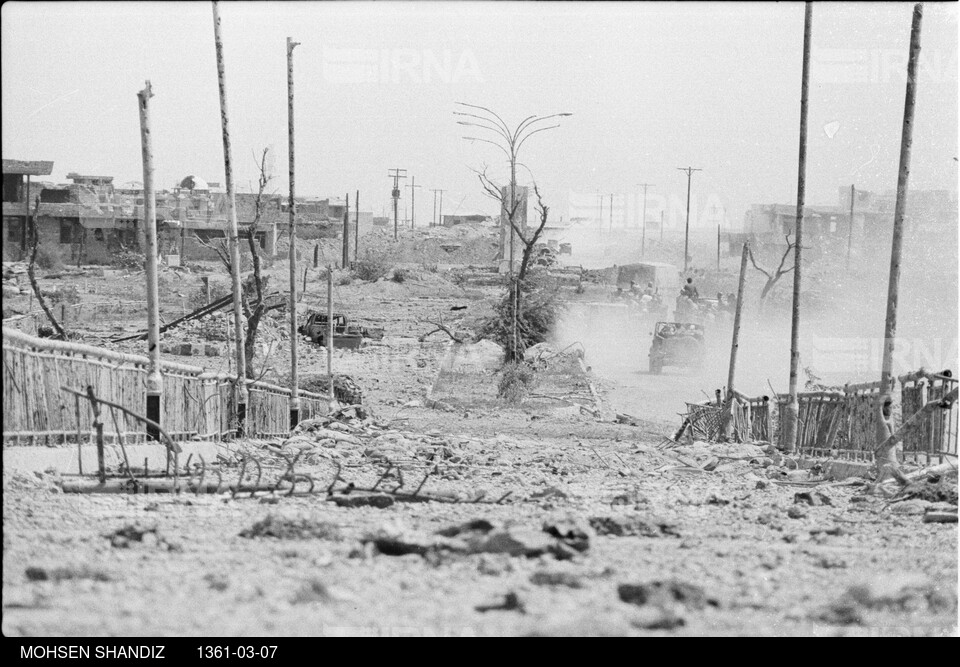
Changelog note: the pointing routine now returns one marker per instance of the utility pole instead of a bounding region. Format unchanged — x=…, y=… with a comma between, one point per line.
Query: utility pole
x=396, y=176
x=154, y=378
x=233, y=240
x=440, y=211
x=643, y=221
x=850, y=231
x=600, y=215
x=735, y=344
x=330, y=333
x=884, y=423
x=356, y=228
x=433, y=220
x=294, y=366
x=345, y=254
x=413, y=202
x=611, y=213
x=714, y=209
x=718, y=247
x=686, y=238
x=792, y=412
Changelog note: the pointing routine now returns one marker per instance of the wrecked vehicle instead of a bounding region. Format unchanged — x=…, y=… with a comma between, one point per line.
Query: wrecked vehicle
x=676, y=344
x=345, y=335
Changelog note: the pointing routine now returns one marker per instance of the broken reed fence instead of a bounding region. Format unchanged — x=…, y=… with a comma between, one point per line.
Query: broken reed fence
x=843, y=424
x=751, y=420
x=196, y=404
x=936, y=434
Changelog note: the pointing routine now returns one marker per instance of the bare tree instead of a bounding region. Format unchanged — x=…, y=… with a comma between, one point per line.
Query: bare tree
x=774, y=276
x=34, y=243
x=529, y=241
x=255, y=286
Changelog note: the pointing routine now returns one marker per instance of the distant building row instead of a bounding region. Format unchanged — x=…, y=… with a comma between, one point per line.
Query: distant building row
x=90, y=219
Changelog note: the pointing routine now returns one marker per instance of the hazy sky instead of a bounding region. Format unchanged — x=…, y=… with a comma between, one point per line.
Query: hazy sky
x=652, y=86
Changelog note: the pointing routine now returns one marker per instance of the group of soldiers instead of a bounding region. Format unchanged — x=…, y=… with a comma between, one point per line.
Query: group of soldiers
x=690, y=306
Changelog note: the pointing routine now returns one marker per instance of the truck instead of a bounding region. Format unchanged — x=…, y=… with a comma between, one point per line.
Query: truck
x=676, y=344
x=345, y=335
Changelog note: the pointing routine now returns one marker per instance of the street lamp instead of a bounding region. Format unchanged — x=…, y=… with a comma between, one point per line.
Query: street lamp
x=512, y=140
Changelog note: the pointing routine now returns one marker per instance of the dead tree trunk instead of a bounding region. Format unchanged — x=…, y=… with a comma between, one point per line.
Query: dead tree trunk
x=31, y=272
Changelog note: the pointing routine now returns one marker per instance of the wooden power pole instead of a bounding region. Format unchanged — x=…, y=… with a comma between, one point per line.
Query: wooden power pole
x=345, y=254
x=792, y=411
x=396, y=175
x=233, y=240
x=330, y=332
x=643, y=221
x=853, y=191
x=413, y=202
x=154, y=378
x=735, y=343
x=884, y=424
x=686, y=238
x=294, y=370
x=356, y=227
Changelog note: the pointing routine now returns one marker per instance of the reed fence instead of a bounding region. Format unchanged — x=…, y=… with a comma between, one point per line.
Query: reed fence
x=196, y=404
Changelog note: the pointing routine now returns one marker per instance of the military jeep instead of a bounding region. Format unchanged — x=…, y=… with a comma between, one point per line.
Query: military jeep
x=676, y=344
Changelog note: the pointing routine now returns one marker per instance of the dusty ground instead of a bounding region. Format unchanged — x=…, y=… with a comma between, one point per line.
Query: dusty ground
x=738, y=553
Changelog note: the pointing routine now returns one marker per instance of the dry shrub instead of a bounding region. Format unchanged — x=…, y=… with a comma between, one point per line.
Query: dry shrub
x=516, y=380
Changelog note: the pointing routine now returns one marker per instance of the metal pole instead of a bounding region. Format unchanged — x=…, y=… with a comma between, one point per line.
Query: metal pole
x=513, y=276
x=154, y=378
x=850, y=233
x=345, y=253
x=792, y=411
x=232, y=235
x=903, y=176
x=294, y=370
x=330, y=330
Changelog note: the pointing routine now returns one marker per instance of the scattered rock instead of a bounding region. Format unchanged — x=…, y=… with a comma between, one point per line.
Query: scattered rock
x=633, y=525
x=796, y=512
x=717, y=499
x=378, y=500
x=65, y=573
x=132, y=534
x=511, y=602
x=574, y=533
x=292, y=528
x=553, y=578
x=812, y=498
x=666, y=592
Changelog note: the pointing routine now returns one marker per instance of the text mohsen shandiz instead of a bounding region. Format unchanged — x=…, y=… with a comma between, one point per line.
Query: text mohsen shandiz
x=68, y=652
